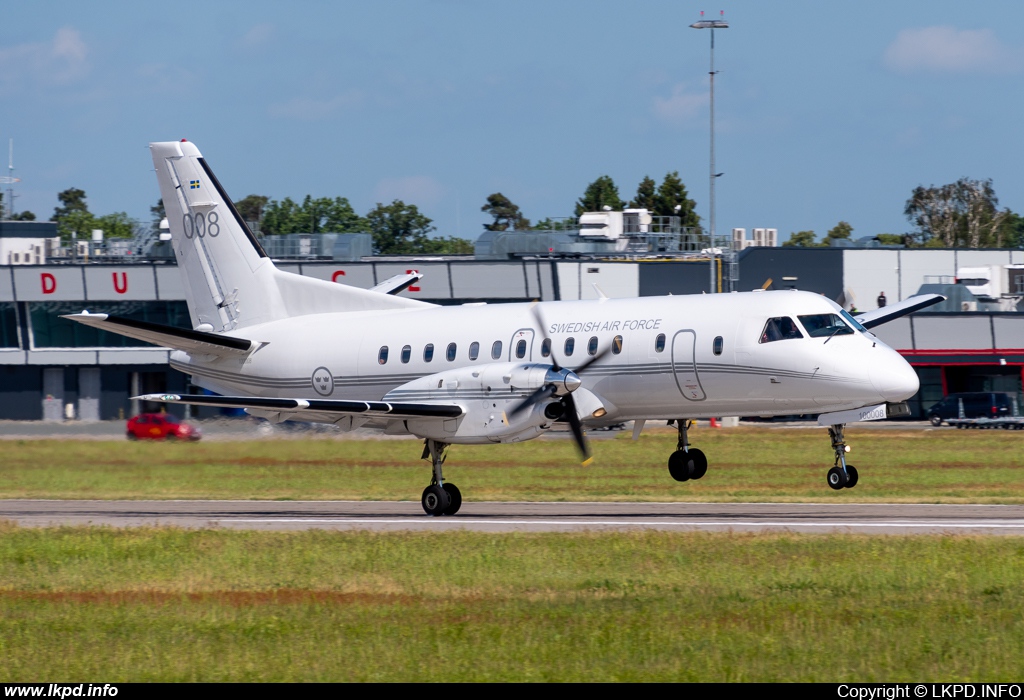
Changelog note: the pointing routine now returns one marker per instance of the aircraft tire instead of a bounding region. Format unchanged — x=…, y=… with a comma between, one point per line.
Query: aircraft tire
x=434, y=500
x=454, y=499
x=836, y=478
x=700, y=463
x=935, y=420
x=678, y=466
x=851, y=472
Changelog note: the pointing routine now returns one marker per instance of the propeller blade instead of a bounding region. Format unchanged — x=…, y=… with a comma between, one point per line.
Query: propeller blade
x=592, y=360
x=545, y=392
x=535, y=308
x=577, y=428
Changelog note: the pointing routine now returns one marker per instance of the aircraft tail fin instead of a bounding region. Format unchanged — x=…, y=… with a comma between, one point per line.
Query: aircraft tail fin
x=230, y=282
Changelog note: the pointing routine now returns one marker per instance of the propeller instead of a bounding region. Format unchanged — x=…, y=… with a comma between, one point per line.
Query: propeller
x=561, y=382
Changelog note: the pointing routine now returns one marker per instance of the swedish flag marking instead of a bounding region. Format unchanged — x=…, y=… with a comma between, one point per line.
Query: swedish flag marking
x=193, y=184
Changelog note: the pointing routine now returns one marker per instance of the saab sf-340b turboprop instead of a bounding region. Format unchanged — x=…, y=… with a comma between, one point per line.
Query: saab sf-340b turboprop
x=283, y=346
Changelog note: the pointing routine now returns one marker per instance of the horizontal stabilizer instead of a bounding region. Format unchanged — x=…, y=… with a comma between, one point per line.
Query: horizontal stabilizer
x=870, y=319
x=185, y=339
x=393, y=285
x=370, y=408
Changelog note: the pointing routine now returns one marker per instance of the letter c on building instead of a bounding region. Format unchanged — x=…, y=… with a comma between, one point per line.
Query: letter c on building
x=337, y=274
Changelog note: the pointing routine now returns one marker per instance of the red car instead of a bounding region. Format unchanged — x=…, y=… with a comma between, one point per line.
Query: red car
x=160, y=426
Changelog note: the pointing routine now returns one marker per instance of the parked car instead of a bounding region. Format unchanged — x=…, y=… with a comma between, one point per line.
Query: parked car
x=977, y=404
x=161, y=426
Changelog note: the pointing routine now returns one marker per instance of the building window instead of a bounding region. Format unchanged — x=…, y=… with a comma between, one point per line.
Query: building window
x=659, y=343
x=545, y=347
x=406, y=354
x=617, y=344
x=474, y=350
x=592, y=346
x=521, y=349
x=496, y=350
x=719, y=343
x=450, y=352
x=382, y=356
x=428, y=352
x=570, y=345
x=49, y=330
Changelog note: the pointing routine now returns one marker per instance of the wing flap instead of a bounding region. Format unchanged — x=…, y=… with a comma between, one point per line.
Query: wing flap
x=328, y=406
x=185, y=339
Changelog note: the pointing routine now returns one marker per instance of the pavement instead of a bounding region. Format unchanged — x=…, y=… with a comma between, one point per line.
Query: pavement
x=873, y=518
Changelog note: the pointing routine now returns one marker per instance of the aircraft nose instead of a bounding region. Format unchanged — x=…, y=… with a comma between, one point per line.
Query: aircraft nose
x=895, y=380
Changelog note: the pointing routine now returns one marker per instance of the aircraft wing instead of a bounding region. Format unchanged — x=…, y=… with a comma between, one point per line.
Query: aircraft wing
x=190, y=341
x=314, y=409
x=393, y=285
x=870, y=319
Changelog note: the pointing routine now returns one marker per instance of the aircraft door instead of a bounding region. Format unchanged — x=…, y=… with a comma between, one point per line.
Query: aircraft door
x=521, y=347
x=684, y=365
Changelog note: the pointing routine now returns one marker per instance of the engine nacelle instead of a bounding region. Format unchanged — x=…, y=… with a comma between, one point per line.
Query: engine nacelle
x=487, y=394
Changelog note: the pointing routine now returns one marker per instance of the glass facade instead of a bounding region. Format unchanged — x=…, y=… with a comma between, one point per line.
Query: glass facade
x=9, y=325
x=51, y=331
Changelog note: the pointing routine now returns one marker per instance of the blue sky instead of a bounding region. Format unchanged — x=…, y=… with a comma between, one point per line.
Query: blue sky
x=825, y=111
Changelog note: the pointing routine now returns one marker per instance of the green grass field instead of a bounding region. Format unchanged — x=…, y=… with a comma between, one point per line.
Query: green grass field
x=746, y=464
x=165, y=604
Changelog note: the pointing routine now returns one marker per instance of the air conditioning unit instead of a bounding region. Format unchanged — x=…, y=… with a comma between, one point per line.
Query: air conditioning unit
x=968, y=306
x=771, y=237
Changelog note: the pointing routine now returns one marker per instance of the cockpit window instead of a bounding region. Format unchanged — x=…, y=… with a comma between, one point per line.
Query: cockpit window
x=782, y=328
x=853, y=322
x=825, y=325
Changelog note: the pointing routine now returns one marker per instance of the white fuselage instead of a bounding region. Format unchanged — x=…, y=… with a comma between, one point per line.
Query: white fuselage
x=669, y=366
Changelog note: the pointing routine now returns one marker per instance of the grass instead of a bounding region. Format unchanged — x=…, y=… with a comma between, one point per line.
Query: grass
x=746, y=464
x=174, y=605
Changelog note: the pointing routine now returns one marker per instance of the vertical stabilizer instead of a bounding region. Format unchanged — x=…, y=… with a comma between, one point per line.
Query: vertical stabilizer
x=230, y=282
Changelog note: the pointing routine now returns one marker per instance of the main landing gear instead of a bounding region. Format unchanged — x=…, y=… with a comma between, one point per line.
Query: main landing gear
x=686, y=462
x=842, y=475
x=439, y=498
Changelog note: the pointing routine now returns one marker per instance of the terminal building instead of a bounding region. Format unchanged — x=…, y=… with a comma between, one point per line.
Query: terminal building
x=55, y=369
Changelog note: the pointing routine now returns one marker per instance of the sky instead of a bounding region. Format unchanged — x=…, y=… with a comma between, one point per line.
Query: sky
x=824, y=111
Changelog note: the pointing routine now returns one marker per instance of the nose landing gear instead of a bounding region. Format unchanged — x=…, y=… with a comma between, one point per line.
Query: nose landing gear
x=686, y=462
x=842, y=475
x=439, y=498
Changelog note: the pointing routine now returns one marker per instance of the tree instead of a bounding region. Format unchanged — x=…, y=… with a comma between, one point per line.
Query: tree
x=116, y=225
x=673, y=200
x=73, y=215
x=399, y=228
x=645, y=195
x=24, y=216
x=506, y=214
x=842, y=230
x=962, y=213
x=600, y=193
x=320, y=215
x=157, y=214
x=251, y=208
x=802, y=239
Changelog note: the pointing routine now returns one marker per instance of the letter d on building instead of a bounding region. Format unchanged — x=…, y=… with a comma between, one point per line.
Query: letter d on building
x=49, y=283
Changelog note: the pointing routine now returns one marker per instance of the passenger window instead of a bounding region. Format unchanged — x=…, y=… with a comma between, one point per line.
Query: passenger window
x=406, y=354
x=659, y=343
x=570, y=345
x=782, y=328
x=496, y=350
x=382, y=356
x=592, y=346
x=521, y=349
x=428, y=352
x=545, y=347
x=617, y=344
x=718, y=344
x=450, y=352
x=825, y=325
x=474, y=350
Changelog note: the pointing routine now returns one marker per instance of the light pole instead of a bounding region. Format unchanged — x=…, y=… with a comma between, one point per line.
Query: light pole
x=712, y=24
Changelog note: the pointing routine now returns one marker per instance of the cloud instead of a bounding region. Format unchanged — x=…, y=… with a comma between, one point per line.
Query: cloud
x=420, y=190
x=310, y=109
x=681, y=106
x=61, y=60
x=257, y=36
x=951, y=50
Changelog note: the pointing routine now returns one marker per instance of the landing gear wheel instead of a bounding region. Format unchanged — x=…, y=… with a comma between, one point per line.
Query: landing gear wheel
x=935, y=420
x=699, y=463
x=851, y=473
x=836, y=478
x=454, y=499
x=434, y=500
x=679, y=466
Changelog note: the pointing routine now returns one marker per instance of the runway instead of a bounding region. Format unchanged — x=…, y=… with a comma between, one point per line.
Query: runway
x=874, y=518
